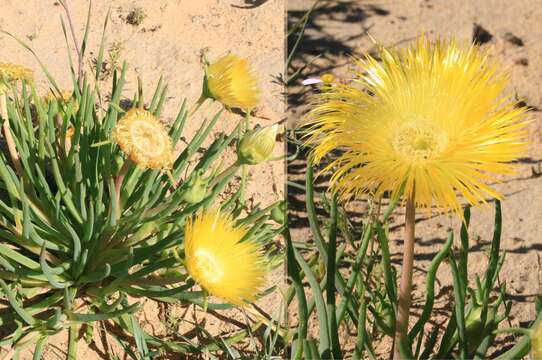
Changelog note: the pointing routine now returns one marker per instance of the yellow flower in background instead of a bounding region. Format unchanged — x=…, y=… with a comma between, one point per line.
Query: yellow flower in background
x=432, y=117
x=144, y=139
x=217, y=259
x=64, y=97
x=327, y=78
x=13, y=72
x=231, y=81
x=9, y=73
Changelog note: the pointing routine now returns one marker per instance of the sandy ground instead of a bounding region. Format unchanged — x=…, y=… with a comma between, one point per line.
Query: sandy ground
x=338, y=29
x=169, y=42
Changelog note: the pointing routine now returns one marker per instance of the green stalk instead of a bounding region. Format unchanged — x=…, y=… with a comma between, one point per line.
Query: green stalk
x=225, y=174
x=430, y=287
x=244, y=169
x=321, y=310
x=197, y=105
x=311, y=211
x=459, y=309
x=330, y=286
x=72, y=341
x=118, y=185
x=362, y=333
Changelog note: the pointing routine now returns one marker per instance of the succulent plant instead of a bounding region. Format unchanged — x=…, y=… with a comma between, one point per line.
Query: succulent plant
x=93, y=209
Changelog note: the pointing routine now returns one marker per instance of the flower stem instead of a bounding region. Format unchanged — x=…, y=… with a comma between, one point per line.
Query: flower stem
x=405, y=288
x=72, y=342
x=245, y=125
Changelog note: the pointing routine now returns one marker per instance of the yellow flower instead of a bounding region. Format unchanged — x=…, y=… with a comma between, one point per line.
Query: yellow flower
x=218, y=260
x=432, y=117
x=327, y=78
x=231, y=81
x=12, y=72
x=9, y=73
x=144, y=139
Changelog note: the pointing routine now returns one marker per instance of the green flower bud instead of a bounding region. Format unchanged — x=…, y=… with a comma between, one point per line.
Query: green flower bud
x=536, y=342
x=384, y=318
x=196, y=189
x=474, y=326
x=278, y=213
x=257, y=145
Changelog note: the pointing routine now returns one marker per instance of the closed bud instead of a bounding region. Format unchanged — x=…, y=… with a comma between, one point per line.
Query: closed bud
x=475, y=326
x=384, y=318
x=257, y=145
x=196, y=189
x=279, y=213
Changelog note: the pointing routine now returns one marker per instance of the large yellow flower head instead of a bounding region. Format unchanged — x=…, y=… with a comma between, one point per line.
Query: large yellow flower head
x=432, y=117
x=231, y=81
x=144, y=139
x=220, y=262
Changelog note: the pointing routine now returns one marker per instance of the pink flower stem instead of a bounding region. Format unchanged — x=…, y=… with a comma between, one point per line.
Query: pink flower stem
x=405, y=288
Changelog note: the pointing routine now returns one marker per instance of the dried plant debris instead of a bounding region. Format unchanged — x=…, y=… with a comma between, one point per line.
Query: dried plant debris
x=513, y=39
x=522, y=61
x=480, y=35
x=136, y=16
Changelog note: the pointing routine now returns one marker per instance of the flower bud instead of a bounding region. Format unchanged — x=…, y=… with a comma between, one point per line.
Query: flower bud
x=278, y=213
x=384, y=318
x=475, y=326
x=257, y=145
x=196, y=189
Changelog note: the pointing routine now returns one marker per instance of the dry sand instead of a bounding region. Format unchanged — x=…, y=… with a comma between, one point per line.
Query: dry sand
x=338, y=29
x=169, y=42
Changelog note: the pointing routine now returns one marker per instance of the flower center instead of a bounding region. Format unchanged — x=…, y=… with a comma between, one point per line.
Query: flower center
x=208, y=266
x=419, y=141
x=147, y=139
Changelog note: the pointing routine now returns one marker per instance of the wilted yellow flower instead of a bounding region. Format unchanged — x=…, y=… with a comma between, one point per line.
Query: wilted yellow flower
x=69, y=137
x=144, y=139
x=9, y=73
x=231, y=81
x=218, y=260
x=12, y=72
x=257, y=145
x=432, y=117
